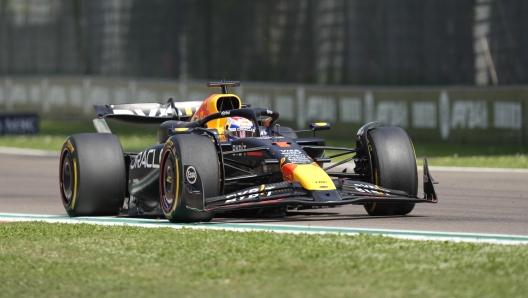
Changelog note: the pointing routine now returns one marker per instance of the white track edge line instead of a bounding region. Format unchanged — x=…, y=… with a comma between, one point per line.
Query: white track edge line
x=406, y=234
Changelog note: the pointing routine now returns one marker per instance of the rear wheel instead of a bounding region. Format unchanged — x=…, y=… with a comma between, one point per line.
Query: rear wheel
x=183, y=157
x=394, y=167
x=92, y=175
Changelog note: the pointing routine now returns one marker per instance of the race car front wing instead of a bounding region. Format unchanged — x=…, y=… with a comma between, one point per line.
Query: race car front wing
x=292, y=193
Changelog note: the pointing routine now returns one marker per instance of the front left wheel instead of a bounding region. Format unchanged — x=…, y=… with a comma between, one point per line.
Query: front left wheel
x=189, y=169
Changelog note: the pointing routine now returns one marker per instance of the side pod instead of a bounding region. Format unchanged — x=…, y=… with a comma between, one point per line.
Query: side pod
x=428, y=183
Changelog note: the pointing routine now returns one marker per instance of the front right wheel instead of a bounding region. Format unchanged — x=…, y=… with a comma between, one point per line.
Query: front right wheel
x=393, y=166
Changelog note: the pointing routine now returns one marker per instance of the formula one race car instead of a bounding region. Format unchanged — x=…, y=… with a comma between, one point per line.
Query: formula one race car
x=221, y=155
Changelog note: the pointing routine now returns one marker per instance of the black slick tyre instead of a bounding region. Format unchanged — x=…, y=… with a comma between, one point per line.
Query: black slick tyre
x=394, y=167
x=179, y=154
x=92, y=175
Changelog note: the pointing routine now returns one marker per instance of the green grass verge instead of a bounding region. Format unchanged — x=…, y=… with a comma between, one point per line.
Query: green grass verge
x=444, y=154
x=135, y=138
x=80, y=260
x=130, y=143
x=498, y=156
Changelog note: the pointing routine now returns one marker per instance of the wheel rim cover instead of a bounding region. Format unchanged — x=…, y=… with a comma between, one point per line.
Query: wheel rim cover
x=168, y=183
x=67, y=178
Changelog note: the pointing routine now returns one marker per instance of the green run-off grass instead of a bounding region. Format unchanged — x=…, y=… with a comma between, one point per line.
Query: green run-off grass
x=81, y=260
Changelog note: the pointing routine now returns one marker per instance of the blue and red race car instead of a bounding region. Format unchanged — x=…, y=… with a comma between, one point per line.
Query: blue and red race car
x=221, y=155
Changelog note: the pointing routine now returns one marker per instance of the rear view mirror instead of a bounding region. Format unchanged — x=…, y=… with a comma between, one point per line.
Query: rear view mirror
x=320, y=126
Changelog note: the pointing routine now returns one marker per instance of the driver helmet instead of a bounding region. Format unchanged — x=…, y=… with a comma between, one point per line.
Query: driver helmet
x=239, y=127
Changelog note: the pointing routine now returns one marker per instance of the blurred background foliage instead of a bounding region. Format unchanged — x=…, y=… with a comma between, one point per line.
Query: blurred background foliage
x=353, y=42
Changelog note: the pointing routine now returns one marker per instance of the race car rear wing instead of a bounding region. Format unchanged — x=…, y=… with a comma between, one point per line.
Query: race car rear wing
x=148, y=113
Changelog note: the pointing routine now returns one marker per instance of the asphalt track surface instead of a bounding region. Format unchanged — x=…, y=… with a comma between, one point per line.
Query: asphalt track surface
x=472, y=201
